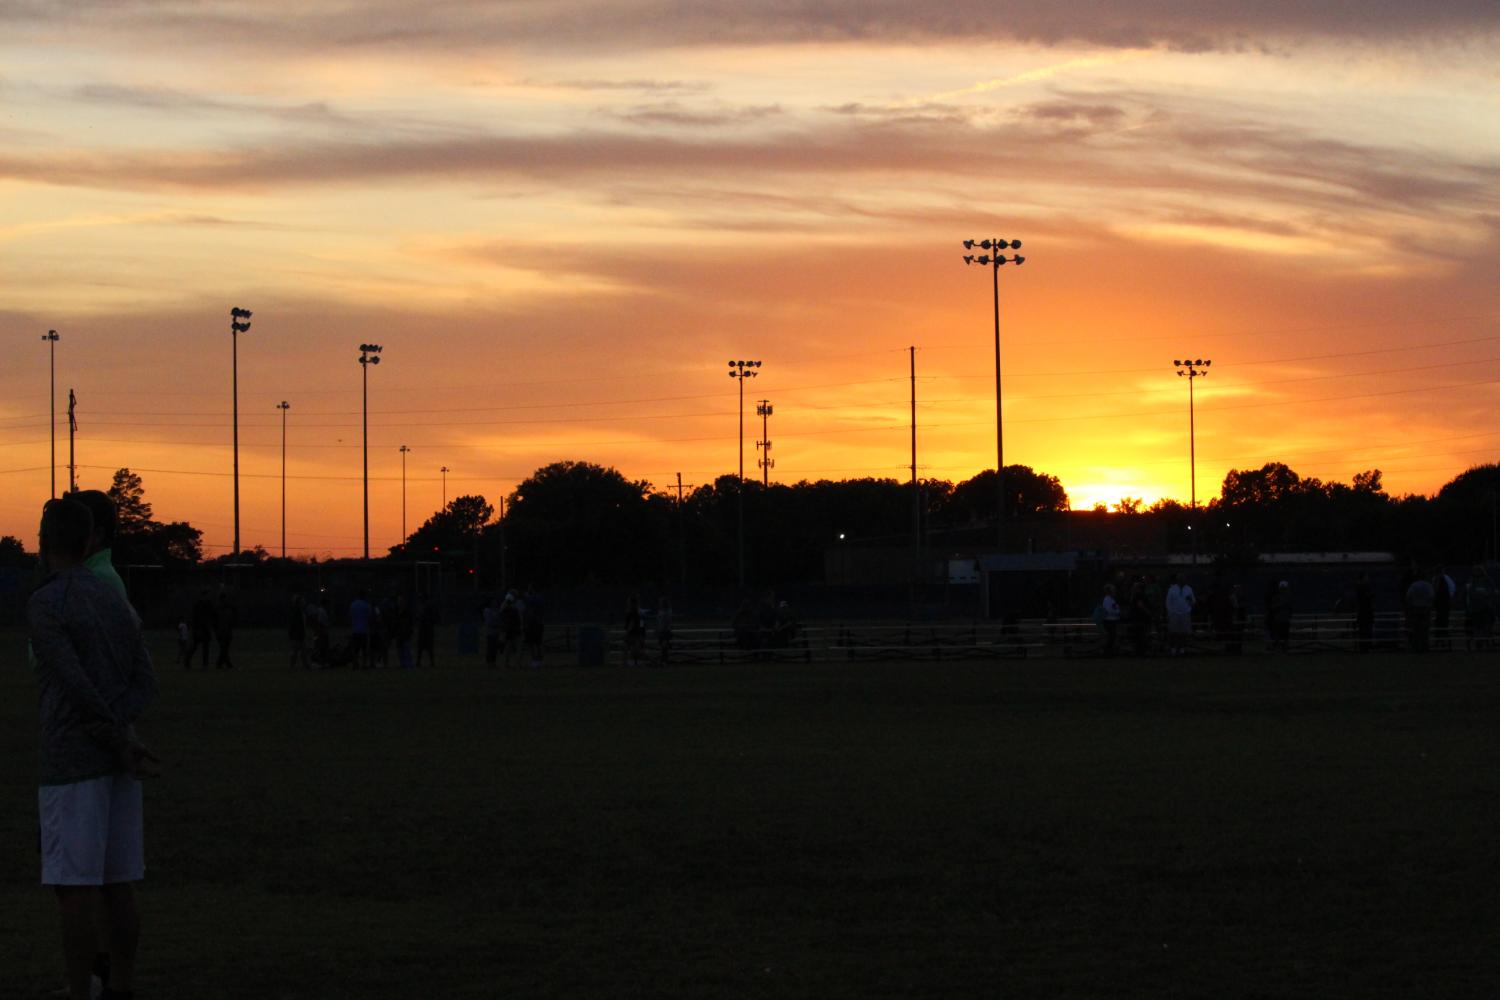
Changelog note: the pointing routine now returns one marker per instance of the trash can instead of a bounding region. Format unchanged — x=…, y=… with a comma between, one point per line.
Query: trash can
x=591, y=645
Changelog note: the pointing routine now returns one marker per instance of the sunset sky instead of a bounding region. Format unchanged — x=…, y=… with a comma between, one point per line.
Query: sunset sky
x=562, y=218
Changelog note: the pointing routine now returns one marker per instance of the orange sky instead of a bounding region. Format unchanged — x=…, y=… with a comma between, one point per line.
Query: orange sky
x=560, y=220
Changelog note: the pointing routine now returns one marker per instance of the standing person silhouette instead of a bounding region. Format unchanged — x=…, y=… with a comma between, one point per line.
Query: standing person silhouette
x=95, y=679
x=224, y=627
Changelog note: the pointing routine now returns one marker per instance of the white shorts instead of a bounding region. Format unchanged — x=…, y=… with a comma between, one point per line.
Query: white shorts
x=92, y=832
x=1180, y=622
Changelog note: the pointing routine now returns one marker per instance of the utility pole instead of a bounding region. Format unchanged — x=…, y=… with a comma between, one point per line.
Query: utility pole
x=72, y=429
x=995, y=261
x=369, y=354
x=403, y=449
x=916, y=490
x=764, y=411
x=51, y=337
x=239, y=322
x=681, y=535
x=739, y=371
x=283, y=406
x=504, y=587
x=444, y=471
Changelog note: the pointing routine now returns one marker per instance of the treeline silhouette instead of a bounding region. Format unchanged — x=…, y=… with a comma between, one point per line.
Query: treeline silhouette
x=578, y=523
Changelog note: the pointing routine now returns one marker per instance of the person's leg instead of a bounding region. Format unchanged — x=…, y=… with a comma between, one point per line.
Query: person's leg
x=124, y=927
x=76, y=906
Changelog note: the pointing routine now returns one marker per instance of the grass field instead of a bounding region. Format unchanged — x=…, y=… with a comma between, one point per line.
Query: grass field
x=1270, y=827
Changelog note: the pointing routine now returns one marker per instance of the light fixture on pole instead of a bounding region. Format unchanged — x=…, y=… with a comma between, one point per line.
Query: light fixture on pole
x=1191, y=370
x=994, y=258
x=739, y=371
x=51, y=337
x=283, y=406
x=239, y=322
x=369, y=354
x=403, y=449
x=444, y=471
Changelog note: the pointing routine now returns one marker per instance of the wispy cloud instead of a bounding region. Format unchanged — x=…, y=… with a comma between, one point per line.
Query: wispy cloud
x=624, y=24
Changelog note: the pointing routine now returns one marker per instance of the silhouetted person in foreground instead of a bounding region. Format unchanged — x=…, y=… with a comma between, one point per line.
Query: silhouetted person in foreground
x=224, y=629
x=401, y=631
x=1279, y=617
x=427, y=632
x=635, y=633
x=95, y=679
x=361, y=616
x=1420, y=597
x=205, y=623
x=1180, y=600
x=1109, y=618
x=1444, y=590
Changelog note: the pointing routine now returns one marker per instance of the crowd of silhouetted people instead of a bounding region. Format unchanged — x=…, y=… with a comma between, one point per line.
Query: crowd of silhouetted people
x=1154, y=616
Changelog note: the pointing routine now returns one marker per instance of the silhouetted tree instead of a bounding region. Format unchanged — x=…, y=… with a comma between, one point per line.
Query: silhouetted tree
x=13, y=554
x=576, y=522
x=450, y=531
x=1027, y=493
x=139, y=537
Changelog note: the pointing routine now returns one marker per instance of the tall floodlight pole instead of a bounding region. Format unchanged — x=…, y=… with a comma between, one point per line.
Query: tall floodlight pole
x=283, y=406
x=369, y=354
x=764, y=410
x=1192, y=370
x=51, y=337
x=994, y=260
x=239, y=322
x=444, y=471
x=403, y=449
x=739, y=371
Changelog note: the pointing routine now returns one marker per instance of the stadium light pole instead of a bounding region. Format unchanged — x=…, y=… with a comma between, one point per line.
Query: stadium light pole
x=739, y=371
x=51, y=337
x=403, y=449
x=283, y=406
x=239, y=322
x=1191, y=370
x=444, y=471
x=369, y=354
x=994, y=259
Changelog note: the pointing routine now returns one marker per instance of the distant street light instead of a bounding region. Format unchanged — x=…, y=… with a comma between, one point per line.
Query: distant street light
x=739, y=371
x=239, y=322
x=403, y=449
x=283, y=406
x=994, y=260
x=1191, y=370
x=369, y=354
x=51, y=337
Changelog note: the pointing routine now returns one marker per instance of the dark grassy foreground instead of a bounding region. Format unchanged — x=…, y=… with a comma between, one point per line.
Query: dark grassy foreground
x=1304, y=827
